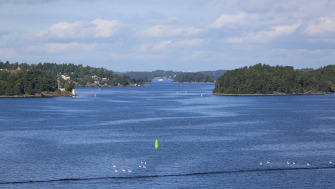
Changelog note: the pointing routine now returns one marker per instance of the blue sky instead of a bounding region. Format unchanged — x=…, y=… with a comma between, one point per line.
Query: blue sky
x=178, y=35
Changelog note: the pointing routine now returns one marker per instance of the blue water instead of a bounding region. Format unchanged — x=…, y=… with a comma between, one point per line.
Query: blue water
x=205, y=142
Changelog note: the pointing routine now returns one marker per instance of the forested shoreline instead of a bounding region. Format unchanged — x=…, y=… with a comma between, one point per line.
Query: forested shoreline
x=26, y=83
x=41, y=79
x=262, y=79
x=193, y=78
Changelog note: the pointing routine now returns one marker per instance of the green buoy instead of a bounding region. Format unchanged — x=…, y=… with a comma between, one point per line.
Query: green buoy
x=156, y=144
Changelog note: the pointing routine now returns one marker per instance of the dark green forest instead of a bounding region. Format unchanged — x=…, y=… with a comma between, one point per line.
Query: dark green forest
x=193, y=78
x=265, y=79
x=169, y=74
x=26, y=82
x=79, y=74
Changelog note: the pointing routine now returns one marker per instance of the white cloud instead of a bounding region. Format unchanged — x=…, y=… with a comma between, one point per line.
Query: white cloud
x=265, y=35
x=190, y=43
x=97, y=28
x=229, y=20
x=170, y=45
x=321, y=26
x=161, y=31
x=54, y=48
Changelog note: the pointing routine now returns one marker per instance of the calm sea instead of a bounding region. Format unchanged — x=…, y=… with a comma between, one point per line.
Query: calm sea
x=205, y=141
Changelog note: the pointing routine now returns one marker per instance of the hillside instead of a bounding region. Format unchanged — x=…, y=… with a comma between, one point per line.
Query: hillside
x=78, y=74
x=264, y=79
x=192, y=78
x=168, y=74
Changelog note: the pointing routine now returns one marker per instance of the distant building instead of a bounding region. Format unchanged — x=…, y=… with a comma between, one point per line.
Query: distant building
x=96, y=78
x=65, y=77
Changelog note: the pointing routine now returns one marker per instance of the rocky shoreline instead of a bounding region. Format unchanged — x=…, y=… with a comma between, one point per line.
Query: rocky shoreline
x=274, y=94
x=42, y=95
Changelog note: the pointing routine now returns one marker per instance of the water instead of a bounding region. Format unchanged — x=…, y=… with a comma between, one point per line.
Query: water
x=204, y=142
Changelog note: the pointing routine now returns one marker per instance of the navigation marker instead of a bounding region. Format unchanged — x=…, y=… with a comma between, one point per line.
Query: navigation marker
x=156, y=144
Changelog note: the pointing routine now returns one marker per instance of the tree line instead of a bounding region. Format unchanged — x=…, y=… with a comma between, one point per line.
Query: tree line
x=193, y=78
x=80, y=75
x=25, y=82
x=265, y=79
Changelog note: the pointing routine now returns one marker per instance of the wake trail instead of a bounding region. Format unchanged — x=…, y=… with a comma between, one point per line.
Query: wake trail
x=166, y=175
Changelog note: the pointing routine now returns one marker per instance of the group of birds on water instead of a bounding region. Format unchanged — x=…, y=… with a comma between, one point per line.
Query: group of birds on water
x=142, y=165
x=288, y=163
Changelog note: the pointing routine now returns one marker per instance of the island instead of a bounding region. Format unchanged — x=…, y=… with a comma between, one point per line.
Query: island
x=262, y=79
x=193, y=78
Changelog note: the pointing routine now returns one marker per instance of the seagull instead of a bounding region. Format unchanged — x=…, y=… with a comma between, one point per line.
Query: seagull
x=141, y=162
x=115, y=171
x=139, y=166
x=144, y=166
x=330, y=162
x=260, y=163
x=145, y=162
x=129, y=171
x=307, y=164
x=114, y=165
x=123, y=170
x=293, y=163
x=288, y=163
x=267, y=162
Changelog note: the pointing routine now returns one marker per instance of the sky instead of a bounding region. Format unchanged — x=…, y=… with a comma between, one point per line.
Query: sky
x=177, y=35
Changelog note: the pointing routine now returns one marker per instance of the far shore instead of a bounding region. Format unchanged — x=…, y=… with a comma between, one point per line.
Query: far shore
x=276, y=94
x=41, y=95
x=193, y=82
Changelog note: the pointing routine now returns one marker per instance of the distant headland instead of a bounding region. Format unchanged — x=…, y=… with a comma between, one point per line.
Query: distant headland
x=262, y=79
x=52, y=80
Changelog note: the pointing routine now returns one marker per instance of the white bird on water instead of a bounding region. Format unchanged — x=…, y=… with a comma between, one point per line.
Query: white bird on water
x=288, y=163
x=293, y=163
x=115, y=171
x=144, y=166
x=139, y=166
x=307, y=164
x=123, y=170
x=267, y=162
x=260, y=163
x=129, y=171
x=330, y=162
x=114, y=166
